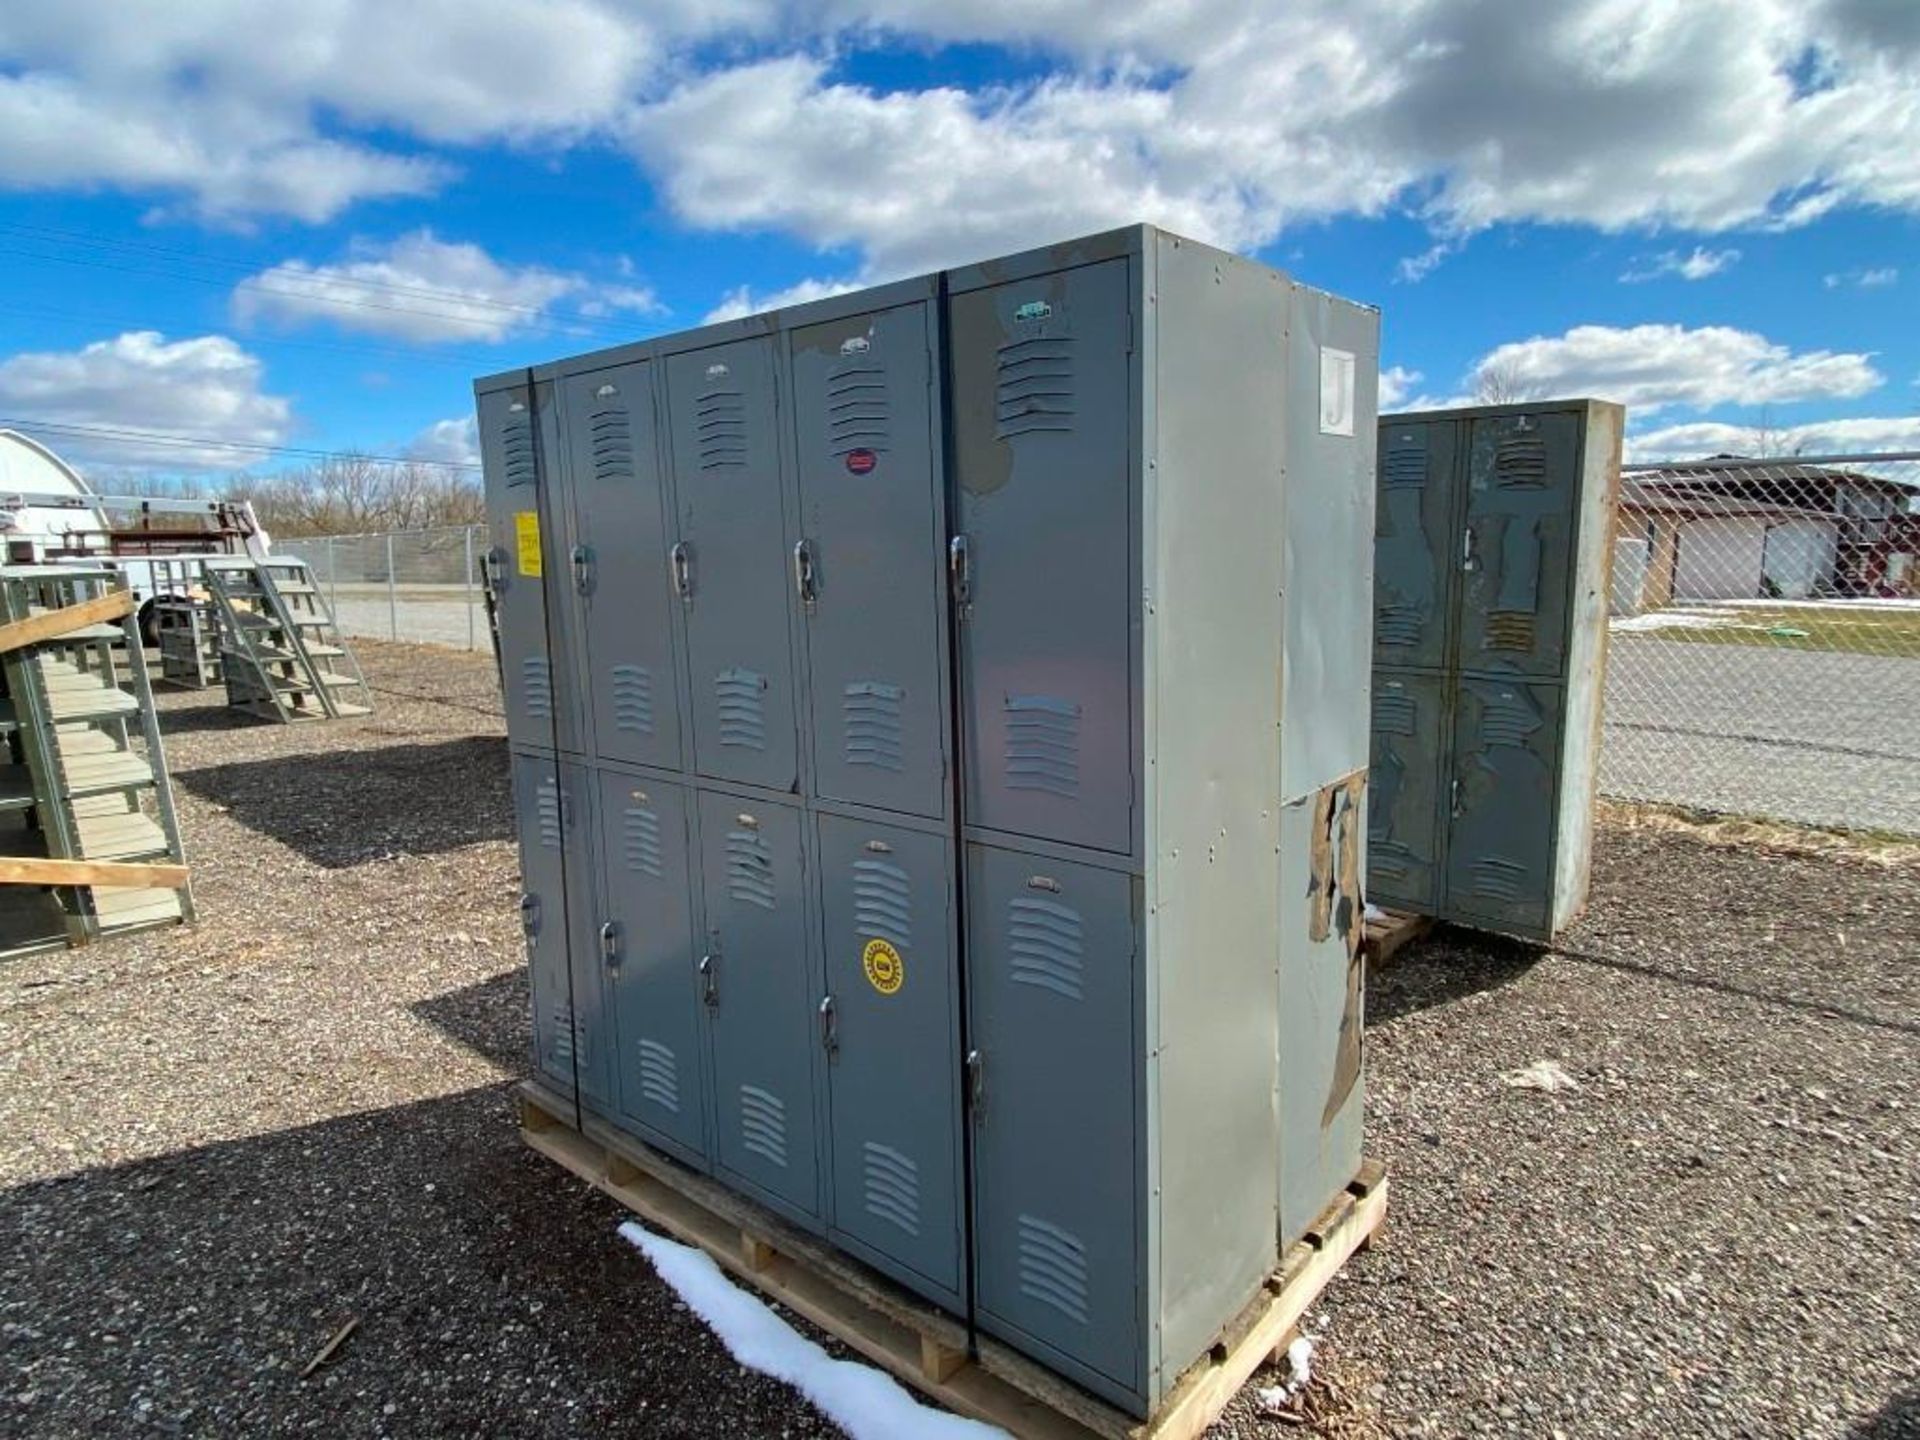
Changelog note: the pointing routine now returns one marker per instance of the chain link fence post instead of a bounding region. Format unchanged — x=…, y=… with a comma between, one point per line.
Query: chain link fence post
x=469, y=588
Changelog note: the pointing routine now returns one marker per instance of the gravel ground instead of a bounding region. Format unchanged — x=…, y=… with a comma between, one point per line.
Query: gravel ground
x=223, y=1143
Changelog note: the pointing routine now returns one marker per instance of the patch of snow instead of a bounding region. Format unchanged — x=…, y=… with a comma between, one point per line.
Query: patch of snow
x=1672, y=620
x=1868, y=602
x=1375, y=913
x=863, y=1401
x=1300, y=1362
x=1548, y=1075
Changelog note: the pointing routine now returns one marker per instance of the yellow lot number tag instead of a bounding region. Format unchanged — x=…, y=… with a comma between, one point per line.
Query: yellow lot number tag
x=885, y=971
x=526, y=539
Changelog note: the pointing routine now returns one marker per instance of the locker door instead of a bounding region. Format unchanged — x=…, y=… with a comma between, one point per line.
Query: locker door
x=762, y=999
x=525, y=526
x=1500, y=840
x=1406, y=792
x=647, y=941
x=735, y=572
x=1414, y=550
x=1056, y=1178
x=1516, y=555
x=1041, y=443
x=871, y=520
x=893, y=1071
x=552, y=805
x=619, y=570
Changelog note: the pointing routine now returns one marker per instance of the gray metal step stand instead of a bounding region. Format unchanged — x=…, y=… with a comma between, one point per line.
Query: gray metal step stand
x=282, y=655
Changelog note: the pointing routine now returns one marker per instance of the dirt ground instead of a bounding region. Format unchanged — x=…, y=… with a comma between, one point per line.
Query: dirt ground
x=223, y=1143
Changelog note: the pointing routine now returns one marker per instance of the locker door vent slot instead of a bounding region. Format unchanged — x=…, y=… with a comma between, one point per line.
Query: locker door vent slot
x=1406, y=468
x=1387, y=859
x=612, y=435
x=632, y=687
x=1053, y=1267
x=858, y=414
x=1043, y=744
x=882, y=901
x=871, y=712
x=750, y=868
x=1510, y=630
x=1509, y=721
x=1520, y=462
x=516, y=449
x=1498, y=879
x=536, y=687
x=890, y=1184
x=640, y=841
x=1045, y=942
x=546, y=809
x=1394, y=714
x=659, y=1076
x=720, y=427
x=742, y=708
x=1035, y=390
x=563, y=1033
x=763, y=1124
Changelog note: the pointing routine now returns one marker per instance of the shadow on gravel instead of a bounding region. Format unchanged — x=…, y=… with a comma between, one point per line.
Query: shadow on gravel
x=183, y=1295
x=1899, y=1421
x=346, y=807
x=213, y=714
x=490, y=1018
x=1448, y=965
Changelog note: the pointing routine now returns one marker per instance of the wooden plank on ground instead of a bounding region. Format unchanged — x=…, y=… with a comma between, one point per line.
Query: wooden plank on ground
x=37, y=870
x=17, y=634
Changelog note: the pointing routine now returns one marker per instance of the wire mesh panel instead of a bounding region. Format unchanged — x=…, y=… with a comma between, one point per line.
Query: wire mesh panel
x=1764, y=650
x=418, y=586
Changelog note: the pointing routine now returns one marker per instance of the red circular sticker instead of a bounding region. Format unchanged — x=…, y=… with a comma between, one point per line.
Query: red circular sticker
x=861, y=462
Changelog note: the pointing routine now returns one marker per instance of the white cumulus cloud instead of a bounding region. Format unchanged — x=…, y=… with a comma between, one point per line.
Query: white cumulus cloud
x=1397, y=384
x=1700, y=264
x=1849, y=436
x=194, y=393
x=447, y=442
x=742, y=301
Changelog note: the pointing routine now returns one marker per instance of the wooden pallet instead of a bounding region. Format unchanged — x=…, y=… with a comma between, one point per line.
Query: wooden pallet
x=921, y=1345
x=1395, y=931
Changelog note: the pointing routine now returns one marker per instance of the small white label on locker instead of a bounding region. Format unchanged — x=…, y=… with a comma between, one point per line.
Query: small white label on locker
x=1336, y=391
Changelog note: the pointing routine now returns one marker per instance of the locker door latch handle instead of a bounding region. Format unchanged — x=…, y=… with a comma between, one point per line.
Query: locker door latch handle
x=610, y=944
x=493, y=569
x=1468, y=561
x=530, y=915
x=1453, y=798
x=582, y=569
x=803, y=574
x=960, y=571
x=682, y=561
x=976, y=1084
x=829, y=1026
x=709, y=988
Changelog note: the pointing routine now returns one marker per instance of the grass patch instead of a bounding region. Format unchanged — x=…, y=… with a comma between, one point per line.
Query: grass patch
x=1844, y=626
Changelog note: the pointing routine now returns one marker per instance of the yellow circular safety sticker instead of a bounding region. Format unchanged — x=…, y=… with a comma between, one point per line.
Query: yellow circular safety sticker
x=885, y=971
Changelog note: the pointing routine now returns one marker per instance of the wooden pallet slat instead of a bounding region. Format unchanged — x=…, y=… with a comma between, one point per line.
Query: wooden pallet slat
x=922, y=1346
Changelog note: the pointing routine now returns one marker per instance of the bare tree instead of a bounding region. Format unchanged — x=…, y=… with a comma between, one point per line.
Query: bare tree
x=1500, y=384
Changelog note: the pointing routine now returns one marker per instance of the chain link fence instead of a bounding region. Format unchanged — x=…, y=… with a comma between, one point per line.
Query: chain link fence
x=421, y=586
x=1764, y=655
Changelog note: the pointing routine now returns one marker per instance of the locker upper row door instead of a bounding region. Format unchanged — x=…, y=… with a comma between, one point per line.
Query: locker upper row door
x=1517, y=544
x=619, y=566
x=525, y=526
x=1414, y=551
x=1042, y=427
x=730, y=565
x=867, y=571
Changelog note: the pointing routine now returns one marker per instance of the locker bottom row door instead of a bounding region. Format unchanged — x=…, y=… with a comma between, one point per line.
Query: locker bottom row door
x=570, y=1026
x=647, y=943
x=1050, y=990
x=1506, y=741
x=762, y=1000
x=1405, y=790
x=894, y=1061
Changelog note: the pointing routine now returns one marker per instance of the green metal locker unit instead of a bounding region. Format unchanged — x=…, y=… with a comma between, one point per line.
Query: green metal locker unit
x=1126, y=482
x=1494, y=536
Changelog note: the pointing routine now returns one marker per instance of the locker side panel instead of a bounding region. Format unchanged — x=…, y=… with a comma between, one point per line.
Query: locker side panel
x=618, y=571
x=763, y=1032
x=1499, y=846
x=649, y=948
x=894, y=1073
x=1415, y=549
x=1409, y=795
x=1041, y=443
x=526, y=531
x=872, y=520
x=736, y=572
x=1517, y=546
x=1056, y=1172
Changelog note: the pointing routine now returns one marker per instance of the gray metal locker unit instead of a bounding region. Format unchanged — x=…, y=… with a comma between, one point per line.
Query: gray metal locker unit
x=1129, y=413
x=1495, y=531
x=527, y=550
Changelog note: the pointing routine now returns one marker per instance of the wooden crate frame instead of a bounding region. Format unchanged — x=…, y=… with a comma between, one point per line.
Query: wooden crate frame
x=912, y=1340
x=1393, y=932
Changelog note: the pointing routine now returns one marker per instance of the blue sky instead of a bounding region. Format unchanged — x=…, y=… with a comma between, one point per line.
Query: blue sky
x=231, y=232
